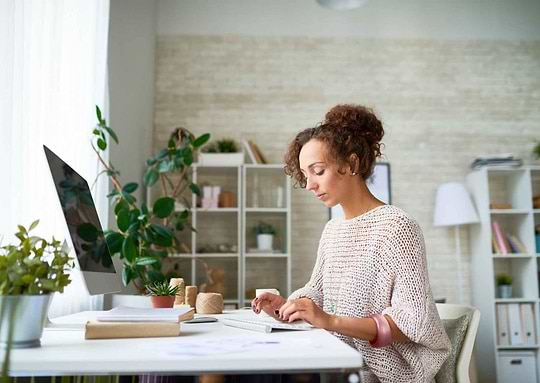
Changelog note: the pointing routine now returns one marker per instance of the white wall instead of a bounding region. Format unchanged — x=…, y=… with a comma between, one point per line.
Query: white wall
x=410, y=19
x=132, y=39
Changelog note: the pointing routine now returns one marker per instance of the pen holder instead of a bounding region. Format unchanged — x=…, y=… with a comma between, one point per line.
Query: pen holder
x=180, y=294
x=209, y=303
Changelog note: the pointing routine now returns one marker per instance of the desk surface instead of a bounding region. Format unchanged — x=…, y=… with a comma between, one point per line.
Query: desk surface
x=66, y=352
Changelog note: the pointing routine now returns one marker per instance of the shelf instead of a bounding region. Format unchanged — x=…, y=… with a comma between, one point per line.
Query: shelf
x=509, y=211
x=216, y=255
x=536, y=211
x=516, y=300
x=523, y=347
x=266, y=255
x=264, y=166
x=512, y=256
x=266, y=210
x=217, y=210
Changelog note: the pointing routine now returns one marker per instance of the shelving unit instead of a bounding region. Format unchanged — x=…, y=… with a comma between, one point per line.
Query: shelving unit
x=262, y=193
x=515, y=186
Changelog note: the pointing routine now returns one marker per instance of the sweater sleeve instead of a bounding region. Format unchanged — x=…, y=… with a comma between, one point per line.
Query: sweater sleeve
x=314, y=288
x=412, y=306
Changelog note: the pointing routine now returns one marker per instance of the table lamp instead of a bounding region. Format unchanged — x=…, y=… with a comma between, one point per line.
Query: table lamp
x=454, y=207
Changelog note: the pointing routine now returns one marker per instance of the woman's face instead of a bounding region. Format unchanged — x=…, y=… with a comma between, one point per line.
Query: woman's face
x=321, y=175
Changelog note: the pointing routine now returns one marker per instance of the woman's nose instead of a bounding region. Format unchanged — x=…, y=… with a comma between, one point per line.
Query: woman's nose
x=310, y=185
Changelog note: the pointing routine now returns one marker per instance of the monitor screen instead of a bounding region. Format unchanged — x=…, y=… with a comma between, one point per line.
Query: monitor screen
x=87, y=237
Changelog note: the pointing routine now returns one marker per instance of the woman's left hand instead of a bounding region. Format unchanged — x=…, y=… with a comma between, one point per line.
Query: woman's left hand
x=305, y=309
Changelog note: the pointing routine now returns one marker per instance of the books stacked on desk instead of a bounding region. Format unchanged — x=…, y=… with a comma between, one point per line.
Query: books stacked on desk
x=502, y=160
x=133, y=322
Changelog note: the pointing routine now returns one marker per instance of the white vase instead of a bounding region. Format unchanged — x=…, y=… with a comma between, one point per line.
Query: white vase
x=264, y=241
x=27, y=313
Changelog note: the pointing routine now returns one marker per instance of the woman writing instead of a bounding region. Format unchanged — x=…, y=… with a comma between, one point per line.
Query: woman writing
x=370, y=283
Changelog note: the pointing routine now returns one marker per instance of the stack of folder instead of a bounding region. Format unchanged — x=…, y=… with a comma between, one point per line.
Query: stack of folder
x=516, y=325
x=132, y=322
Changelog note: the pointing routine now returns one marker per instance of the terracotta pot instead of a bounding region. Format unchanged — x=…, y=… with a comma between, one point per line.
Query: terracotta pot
x=162, y=302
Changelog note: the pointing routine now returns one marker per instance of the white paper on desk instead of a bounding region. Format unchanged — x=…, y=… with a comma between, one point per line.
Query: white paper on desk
x=137, y=314
x=233, y=345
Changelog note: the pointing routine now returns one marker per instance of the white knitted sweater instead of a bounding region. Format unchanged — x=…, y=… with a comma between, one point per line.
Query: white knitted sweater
x=376, y=264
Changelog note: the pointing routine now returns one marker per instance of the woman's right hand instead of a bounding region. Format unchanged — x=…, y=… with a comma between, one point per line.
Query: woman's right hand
x=268, y=303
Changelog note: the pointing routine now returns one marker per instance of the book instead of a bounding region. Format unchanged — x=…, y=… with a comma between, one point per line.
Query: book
x=108, y=330
x=249, y=151
x=516, y=243
x=136, y=314
x=496, y=248
x=258, y=153
x=500, y=238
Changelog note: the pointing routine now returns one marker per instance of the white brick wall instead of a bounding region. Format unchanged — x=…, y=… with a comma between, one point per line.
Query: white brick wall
x=442, y=103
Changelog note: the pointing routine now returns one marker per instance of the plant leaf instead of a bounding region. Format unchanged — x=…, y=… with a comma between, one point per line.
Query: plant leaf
x=130, y=187
x=111, y=133
x=150, y=177
x=101, y=144
x=33, y=225
x=122, y=220
x=201, y=140
x=195, y=189
x=114, y=241
x=88, y=232
x=129, y=250
x=98, y=114
x=163, y=207
x=143, y=261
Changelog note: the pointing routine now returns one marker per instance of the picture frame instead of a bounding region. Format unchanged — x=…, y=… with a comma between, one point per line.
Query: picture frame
x=379, y=184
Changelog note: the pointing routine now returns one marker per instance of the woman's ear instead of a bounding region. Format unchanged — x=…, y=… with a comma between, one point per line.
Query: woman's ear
x=354, y=164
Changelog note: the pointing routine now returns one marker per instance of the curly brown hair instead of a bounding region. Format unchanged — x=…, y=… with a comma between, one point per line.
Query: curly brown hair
x=346, y=130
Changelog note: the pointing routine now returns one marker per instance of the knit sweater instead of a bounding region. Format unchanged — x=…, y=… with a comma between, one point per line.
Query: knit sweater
x=375, y=263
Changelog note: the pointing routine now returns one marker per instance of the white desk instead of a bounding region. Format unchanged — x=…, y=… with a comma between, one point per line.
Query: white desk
x=66, y=352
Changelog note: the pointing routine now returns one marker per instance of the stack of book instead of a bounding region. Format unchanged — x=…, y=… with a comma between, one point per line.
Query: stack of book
x=496, y=160
x=132, y=322
x=504, y=243
x=516, y=324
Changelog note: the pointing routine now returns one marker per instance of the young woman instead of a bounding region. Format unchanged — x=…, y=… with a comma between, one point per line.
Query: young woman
x=370, y=283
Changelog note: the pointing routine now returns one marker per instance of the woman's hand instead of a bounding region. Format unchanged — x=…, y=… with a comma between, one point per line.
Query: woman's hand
x=305, y=309
x=268, y=303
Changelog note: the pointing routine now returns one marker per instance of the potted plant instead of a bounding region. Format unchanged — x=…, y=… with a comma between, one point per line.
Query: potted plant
x=536, y=151
x=162, y=294
x=147, y=234
x=224, y=152
x=504, y=285
x=30, y=272
x=265, y=235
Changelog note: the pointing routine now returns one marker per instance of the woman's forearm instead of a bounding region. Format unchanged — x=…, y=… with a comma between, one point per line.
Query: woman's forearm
x=362, y=328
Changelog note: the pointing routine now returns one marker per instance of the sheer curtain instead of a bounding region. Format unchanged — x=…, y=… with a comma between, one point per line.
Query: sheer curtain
x=52, y=73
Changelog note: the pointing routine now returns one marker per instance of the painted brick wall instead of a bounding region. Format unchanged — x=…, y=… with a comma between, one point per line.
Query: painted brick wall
x=441, y=102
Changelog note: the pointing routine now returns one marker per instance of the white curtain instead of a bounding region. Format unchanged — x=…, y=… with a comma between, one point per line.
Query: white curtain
x=52, y=74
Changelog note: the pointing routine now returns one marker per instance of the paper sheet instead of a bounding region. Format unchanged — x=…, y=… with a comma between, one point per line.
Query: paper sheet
x=233, y=345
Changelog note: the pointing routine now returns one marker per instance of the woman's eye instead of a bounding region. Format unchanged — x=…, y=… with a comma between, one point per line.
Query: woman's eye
x=320, y=173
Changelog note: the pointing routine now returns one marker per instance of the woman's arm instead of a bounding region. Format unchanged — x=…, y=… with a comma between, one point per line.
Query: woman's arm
x=362, y=328
x=359, y=328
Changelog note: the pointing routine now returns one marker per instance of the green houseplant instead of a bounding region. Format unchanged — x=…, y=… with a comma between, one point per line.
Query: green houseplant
x=30, y=272
x=265, y=235
x=504, y=285
x=536, y=151
x=162, y=294
x=147, y=234
x=224, y=152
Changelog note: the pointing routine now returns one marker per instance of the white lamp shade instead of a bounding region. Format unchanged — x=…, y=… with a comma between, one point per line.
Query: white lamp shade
x=342, y=4
x=453, y=206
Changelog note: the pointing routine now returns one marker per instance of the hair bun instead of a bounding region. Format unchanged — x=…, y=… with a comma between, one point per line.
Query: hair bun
x=356, y=119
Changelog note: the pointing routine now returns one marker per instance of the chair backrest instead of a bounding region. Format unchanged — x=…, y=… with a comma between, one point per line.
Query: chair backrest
x=450, y=311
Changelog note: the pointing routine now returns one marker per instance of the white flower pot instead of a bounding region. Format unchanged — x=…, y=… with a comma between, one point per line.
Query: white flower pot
x=221, y=159
x=264, y=241
x=27, y=313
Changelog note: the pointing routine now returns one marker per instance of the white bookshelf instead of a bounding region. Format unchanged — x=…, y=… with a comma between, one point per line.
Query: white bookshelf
x=244, y=271
x=515, y=186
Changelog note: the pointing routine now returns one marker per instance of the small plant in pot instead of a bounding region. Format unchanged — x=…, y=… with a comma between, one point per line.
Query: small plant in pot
x=30, y=273
x=162, y=294
x=265, y=235
x=504, y=285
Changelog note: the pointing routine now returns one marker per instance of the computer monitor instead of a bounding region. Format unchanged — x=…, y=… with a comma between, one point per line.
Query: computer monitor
x=85, y=230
